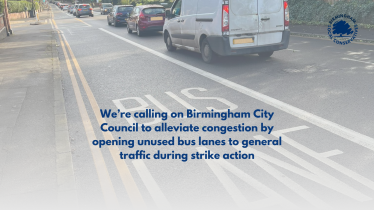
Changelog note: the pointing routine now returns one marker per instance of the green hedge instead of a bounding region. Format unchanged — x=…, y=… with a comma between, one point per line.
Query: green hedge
x=19, y=6
x=1, y=6
x=317, y=11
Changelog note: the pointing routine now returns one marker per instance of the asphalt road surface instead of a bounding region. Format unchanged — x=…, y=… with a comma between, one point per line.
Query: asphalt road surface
x=321, y=94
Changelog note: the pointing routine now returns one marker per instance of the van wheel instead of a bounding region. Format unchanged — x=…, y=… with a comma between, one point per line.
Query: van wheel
x=266, y=54
x=128, y=29
x=108, y=21
x=207, y=52
x=169, y=43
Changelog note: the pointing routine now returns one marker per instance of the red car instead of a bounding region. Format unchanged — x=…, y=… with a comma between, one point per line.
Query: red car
x=146, y=18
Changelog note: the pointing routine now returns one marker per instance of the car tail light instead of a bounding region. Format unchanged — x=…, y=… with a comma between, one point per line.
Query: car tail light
x=90, y=8
x=79, y=9
x=119, y=14
x=225, y=18
x=286, y=14
x=141, y=16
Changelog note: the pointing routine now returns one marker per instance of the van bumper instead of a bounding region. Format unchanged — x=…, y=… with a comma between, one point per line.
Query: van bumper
x=221, y=46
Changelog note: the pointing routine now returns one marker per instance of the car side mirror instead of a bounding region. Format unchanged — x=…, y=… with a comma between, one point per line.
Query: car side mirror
x=167, y=13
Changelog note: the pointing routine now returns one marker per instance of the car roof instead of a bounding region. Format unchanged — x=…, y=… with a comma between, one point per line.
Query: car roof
x=124, y=6
x=151, y=5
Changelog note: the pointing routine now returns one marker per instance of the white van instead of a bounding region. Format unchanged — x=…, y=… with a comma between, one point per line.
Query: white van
x=227, y=27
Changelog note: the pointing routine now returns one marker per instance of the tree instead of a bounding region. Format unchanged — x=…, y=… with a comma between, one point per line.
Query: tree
x=341, y=27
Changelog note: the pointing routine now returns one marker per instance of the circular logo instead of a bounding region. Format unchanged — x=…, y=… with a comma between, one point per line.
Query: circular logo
x=342, y=29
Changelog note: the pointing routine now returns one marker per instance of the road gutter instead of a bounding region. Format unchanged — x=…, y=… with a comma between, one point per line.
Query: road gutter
x=67, y=195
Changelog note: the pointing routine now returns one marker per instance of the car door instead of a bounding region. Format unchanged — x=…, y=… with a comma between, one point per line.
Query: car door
x=188, y=22
x=174, y=26
x=113, y=13
x=131, y=19
x=271, y=21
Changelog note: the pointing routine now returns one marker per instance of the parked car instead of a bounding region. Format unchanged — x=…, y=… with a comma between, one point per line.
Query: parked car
x=65, y=7
x=62, y=6
x=146, y=18
x=105, y=8
x=84, y=9
x=216, y=27
x=70, y=10
x=119, y=14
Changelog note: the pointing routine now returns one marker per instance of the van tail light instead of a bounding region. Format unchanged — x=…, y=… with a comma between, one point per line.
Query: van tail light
x=286, y=14
x=225, y=19
x=119, y=14
x=141, y=16
x=79, y=9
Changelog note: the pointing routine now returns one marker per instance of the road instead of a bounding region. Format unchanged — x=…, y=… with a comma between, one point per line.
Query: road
x=320, y=92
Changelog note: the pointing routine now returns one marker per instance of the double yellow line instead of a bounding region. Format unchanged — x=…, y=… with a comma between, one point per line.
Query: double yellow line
x=101, y=168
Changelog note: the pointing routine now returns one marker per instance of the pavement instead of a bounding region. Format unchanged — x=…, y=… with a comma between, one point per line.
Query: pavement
x=321, y=31
x=320, y=94
x=33, y=131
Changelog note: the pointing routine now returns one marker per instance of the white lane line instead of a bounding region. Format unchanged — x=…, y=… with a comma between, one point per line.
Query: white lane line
x=331, y=153
x=181, y=101
x=151, y=185
x=160, y=105
x=359, y=178
x=348, y=59
x=332, y=127
x=217, y=166
x=70, y=32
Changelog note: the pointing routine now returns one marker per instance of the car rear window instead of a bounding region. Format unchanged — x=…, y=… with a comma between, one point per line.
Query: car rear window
x=153, y=11
x=84, y=6
x=125, y=9
x=107, y=5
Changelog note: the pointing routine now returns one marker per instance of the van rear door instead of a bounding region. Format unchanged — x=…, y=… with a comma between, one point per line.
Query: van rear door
x=243, y=21
x=271, y=21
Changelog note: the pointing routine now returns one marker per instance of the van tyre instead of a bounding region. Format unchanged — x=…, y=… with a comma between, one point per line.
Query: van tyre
x=207, y=53
x=128, y=29
x=169, y=43
x=266, y=54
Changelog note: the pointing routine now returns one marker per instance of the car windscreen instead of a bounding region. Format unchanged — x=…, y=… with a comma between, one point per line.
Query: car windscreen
x=125, y=9
x=84, y=6
x=153, y=11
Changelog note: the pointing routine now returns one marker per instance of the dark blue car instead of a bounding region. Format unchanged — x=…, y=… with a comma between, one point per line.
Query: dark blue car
x=119, y=14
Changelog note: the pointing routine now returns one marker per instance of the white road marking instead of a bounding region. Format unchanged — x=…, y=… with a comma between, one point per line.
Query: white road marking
x=359, y=178
x=332, y=127
x=160, y=106
x=293, y=50
x=70, y=32
x=151, y=185
x=348, y=59
x=181, y=101
x=217, y=166
x=331, y=153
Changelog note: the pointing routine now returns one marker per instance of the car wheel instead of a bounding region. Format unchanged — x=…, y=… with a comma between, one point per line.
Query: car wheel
x=266, y=54
x=78, y=16
x=115, y=23
x=108, y=21
x=91, y=15
x=138, y=32
x=101, y=13
x=207, y=52
x=169, y=43
x=128, y=29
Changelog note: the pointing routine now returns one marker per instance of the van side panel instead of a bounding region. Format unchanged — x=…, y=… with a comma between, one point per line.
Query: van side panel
x=188, y=22
x=208, y=19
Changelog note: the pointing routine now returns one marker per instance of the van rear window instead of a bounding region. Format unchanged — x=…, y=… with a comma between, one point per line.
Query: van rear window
x=153, y=11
